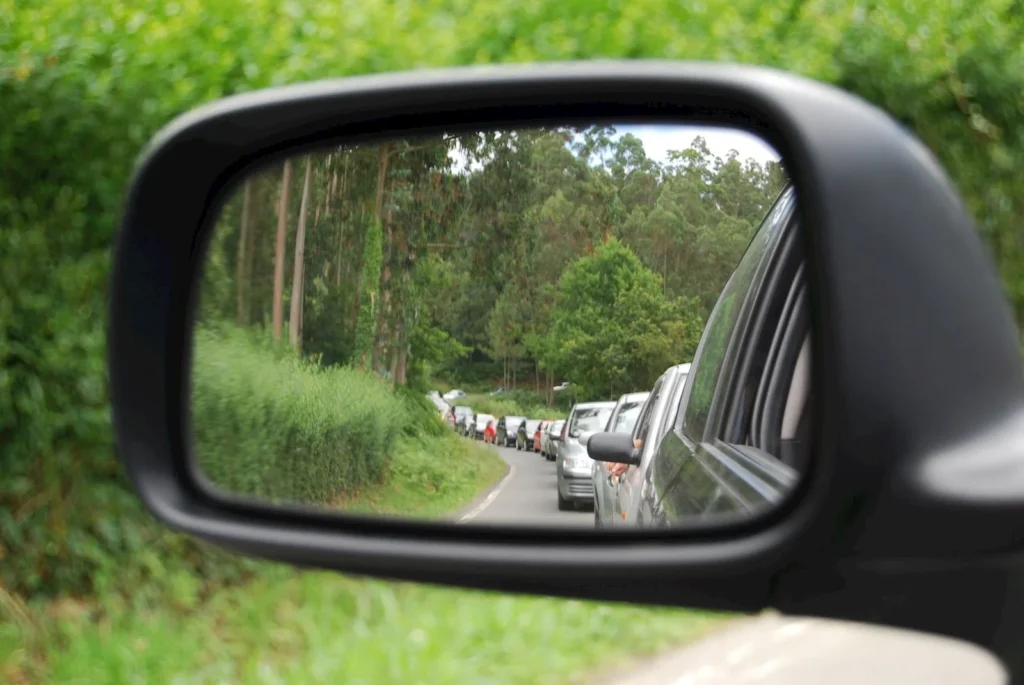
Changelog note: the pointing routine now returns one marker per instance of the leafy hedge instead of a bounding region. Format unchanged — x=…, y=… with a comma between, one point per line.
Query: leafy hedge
x=275, y=427
x=84, y=83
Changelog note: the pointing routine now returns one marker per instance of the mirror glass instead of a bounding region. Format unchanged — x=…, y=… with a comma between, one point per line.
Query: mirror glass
x=426, y=327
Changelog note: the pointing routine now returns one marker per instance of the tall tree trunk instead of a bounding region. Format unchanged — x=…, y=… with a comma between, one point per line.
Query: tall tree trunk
x=401, y=326
x=551, y=387
x=243, y=251
x=384, y=288
x=385, y=348
x=536, y=376
x=279, y=251
x=295, y=320
x=514, y=365
x=341, y=224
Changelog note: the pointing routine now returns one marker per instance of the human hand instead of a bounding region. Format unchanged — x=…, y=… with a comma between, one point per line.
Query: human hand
x=616, y=469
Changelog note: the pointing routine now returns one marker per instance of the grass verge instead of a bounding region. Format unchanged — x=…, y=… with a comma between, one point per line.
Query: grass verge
x=430, y=476
x=290, y=627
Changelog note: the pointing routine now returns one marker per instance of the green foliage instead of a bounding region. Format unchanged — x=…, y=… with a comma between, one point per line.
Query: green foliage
x=519, y=403
x=616, y=330
x=275, y=427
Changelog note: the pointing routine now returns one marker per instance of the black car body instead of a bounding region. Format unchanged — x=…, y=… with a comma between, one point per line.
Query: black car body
x=735, y=449
x=525, y=433
x=506, y=430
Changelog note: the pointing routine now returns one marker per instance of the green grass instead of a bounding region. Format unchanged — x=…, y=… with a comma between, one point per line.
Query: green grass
x=430, y=476
x=269, y=425
x=290, y=627
x=287, y=626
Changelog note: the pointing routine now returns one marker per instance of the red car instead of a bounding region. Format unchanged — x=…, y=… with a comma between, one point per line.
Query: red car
x=539, y=433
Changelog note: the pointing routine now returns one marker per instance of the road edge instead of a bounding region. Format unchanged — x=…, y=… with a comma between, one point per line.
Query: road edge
x=484, y=500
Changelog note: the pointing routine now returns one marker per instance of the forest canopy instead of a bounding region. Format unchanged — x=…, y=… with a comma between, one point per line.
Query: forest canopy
x=511, y=256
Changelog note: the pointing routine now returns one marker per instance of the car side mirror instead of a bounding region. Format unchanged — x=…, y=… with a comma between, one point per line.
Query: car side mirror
x=914, y=490
x=616, y=448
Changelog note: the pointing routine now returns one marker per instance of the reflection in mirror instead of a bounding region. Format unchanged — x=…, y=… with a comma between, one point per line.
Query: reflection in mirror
x=438, y=328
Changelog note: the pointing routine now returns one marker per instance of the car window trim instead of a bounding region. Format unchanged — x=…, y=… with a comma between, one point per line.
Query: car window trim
x=750, y=328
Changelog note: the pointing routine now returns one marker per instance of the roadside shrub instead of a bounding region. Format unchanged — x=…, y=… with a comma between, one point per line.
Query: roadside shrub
x=84, y=83
x=273, y=426
x=422, y=417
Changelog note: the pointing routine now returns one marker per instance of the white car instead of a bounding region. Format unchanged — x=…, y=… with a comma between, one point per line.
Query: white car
x=442, y=407
x=454, y=395
x=480, y=422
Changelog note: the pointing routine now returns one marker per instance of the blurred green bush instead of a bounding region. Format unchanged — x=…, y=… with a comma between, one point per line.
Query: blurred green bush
x=84, y=83
x=272, y=426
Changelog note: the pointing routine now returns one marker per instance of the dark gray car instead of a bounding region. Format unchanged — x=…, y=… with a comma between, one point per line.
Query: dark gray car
x=506, y=430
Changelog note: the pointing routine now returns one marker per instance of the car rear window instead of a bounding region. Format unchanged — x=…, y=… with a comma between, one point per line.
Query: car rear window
x=590, y=418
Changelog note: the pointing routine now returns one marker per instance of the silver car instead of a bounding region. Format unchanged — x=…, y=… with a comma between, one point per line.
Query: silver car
x=462, y=416
x=572, y=464
x=480, y=422
x=657, y=419
x=549, y=440
x=622, y=420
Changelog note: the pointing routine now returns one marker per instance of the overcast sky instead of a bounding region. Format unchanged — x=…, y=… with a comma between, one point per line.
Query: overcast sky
x=658, y=139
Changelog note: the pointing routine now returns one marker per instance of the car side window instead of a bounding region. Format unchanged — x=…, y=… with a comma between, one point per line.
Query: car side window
x=643, y=423
x=713, y=349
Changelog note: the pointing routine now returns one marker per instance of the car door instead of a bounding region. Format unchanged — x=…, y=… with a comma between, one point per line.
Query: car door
x=716, y=460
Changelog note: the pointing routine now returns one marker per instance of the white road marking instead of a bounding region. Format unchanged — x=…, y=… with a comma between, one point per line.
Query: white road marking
x=478, y=509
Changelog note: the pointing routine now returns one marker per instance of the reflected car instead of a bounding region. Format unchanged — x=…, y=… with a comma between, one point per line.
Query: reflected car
x=538, y=436
x=736, y=449
x=552, y=434
x=573, y=466
x=461, y=414
x=622, y=420
x=654, y=422
x=507, y=428
x=525, y=434
x=480, y=422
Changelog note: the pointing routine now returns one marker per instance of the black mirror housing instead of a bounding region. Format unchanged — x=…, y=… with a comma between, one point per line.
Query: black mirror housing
x=914, y=492
x=616, y=448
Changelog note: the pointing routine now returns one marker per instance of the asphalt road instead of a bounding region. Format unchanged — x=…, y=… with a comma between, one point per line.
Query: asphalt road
x=527, y=496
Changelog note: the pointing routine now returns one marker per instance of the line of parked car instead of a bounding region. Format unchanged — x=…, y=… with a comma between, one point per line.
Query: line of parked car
x=721, y=438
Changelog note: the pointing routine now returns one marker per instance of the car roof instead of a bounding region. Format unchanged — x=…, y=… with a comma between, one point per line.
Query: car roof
x=631, y=396
x=589, y=405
